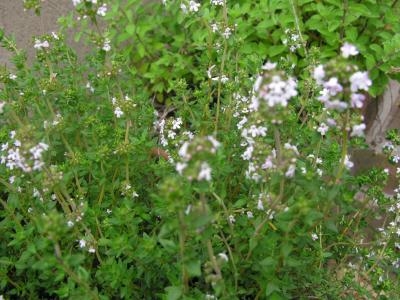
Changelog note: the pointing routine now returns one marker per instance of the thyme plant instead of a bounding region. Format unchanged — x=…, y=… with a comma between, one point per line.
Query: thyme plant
x=199, y=150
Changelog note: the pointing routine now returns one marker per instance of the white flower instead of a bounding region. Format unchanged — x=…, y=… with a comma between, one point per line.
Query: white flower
x=118, y=112
x=227, y=32
x=360, y=81
x=209, y=71
x=106, y=45
x=223, y=256
x=348, y=50
x=183, y=151
x=193, y=6
x=250, y=215
x=205, y=172
x=39, y=45
x=91, y=250
x=102, y=10
x=176, y=124
x=322, y=129
x=288, y=146
x=248, y=153
x=314, y=236
x=260, y=205
x=188, y=209
x=82, y=243
x=76, y=2
x=257, y=131
x=290, y=171
x=214, y=143
x=184, y=8
x=12, y=76
x=277, y=92
x=217, y=2
x=347, y=163
x=214, y=28
x=231, y=219
x=396, y=158
x=319, y=74
x=180, y=167
x=269, y=66
x=55, y=36
x=89, y=87
x=358, y=130
x=70, y=223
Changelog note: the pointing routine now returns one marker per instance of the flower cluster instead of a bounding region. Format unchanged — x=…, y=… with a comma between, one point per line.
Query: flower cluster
x=273, y=88
x=192, y=155
x=222, y=78
x=40, y=45
x=224, y=30
x=102, y=10
x=342, y=86
x=122, y=105
x=191, y=6
x=23, y=157
x=217, y=2
x=57, y=119
x=292, y=40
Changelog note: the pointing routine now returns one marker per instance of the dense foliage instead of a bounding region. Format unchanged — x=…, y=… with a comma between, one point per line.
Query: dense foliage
x=199, y=150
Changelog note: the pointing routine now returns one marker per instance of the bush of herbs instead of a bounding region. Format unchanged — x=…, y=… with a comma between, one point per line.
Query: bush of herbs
x=199, y=150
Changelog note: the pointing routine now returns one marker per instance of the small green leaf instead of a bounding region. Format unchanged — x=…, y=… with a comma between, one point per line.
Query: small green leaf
x=173, y=292
x=194, y=268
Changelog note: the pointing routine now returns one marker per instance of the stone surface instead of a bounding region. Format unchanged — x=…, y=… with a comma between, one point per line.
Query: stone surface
x=25, y=24
x=384, y=114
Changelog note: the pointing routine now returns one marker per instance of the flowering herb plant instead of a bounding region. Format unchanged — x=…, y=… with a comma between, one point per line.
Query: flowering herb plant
x=199, y=150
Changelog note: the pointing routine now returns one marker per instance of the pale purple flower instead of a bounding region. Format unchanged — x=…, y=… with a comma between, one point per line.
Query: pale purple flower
x=347, y=162
x=358, y=130
x=205, y=172
x=194, y=6
x=118, y=112
x=333, y=86
x=348, y=50
x=290, y=171
x=336, y=104
x=357, y=100
x=319, y=74
x=102, y=10
x=322, y=129
x=360, y=81
x=269, y=66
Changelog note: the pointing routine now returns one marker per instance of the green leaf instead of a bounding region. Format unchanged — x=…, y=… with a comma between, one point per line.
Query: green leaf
x=194, y=268
x=286, y=249
x=276, y=50
x=271, y=287
x=351, y=33
x=130, y=29
x=173, y=292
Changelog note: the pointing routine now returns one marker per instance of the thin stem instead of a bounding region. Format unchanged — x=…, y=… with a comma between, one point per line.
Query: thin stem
x=297, y=22
x=344, y=148
x=182, y=238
